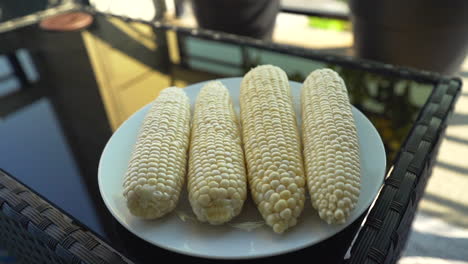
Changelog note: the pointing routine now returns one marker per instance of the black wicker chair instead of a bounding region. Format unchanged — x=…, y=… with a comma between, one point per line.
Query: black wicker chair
x=35, y=232
x=385, y=232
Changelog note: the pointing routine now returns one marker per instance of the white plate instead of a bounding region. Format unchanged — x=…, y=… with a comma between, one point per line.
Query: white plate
x=227, y=242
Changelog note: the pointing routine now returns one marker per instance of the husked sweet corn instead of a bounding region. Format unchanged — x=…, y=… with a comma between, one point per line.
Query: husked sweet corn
x=157, y=167
x=331, y=149
x=217, y=183
x=272, y=146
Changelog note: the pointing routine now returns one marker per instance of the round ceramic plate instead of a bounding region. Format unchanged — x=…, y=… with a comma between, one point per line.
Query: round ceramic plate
x=246, y=236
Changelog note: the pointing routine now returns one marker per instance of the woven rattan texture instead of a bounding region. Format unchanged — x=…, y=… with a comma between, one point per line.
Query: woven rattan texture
x=35, y=232
x=385, y=232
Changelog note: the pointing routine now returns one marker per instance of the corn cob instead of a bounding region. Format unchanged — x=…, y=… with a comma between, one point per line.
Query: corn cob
x=331, y=150
x=217, y=183
x=157, y=167
x=272, y=146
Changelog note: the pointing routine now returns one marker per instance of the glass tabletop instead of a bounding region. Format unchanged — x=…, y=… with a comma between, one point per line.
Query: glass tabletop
x=61, y=99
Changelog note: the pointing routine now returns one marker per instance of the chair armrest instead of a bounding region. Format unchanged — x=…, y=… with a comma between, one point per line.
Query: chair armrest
x=34, y=231
x=385, y=231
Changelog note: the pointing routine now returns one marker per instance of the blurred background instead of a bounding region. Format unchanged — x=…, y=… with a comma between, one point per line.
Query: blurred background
x=128, y=65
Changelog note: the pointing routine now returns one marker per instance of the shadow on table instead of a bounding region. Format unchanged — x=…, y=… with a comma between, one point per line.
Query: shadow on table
x=448, y=248
x=456, y=139
x=452, y=212
x=452, y=167
x=458, y=119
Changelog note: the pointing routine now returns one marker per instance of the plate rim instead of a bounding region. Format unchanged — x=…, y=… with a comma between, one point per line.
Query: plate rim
x=108, y=205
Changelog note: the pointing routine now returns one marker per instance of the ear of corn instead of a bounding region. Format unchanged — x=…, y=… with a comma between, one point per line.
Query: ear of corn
x=217, y=183
x=157, y=167
x=331, y=150
x=272, y=146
